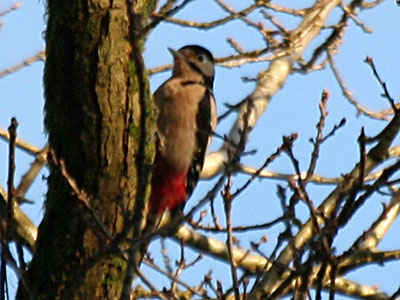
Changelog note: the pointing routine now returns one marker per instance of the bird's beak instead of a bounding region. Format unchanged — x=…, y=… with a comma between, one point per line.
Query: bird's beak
x=176, y=54
x=172, y=51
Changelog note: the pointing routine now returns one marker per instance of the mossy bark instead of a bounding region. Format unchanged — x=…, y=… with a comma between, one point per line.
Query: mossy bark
x=97, y=97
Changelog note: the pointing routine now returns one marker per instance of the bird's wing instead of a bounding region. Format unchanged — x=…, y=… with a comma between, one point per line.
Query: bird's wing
x=206, y=122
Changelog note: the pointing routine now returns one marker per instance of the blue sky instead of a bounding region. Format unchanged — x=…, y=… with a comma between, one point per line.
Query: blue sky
x=293, y=109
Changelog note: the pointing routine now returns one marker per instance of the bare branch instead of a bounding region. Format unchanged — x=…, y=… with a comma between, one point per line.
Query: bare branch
x=25, y=146
x=14, y=7
x=25, y=227
x=208, y=25
x=30, y=176
x=375, y=156
x=243, y=259
x=378, y=230
x=386, y=94
x=40, y=56
x=352, y=288
x=284, y=9
x=12, y=131
x=271, y=80
x=228, y=199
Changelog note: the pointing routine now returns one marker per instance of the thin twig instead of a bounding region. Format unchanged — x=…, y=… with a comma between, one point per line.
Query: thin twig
x=23, y=145
x=386, y=94
x=12, y=131
x=80, y=194
x=155, y=267
x=319, y=138
x=301, y=186
x=15, y=6
x=228, y=198
x=40, y=56
x=30, y=176
x=207, y=25
x=181, y=266
x=165, y=11
x=256, y=174
x=7, y=226
x=237, y=228
x=349, y=95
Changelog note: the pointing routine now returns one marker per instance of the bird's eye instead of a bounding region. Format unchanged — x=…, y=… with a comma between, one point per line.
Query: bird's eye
x=201, y=58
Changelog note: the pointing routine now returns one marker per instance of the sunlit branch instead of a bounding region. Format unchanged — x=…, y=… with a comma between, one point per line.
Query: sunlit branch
x=276, y=175
x=375, y=156
x=26, y=229
x=28, y=178
x=315, y=178
x=274, y=22
x=351, y=288
x=283, y=9
x=271, y=80
x=243, y=259
x=342, y=285
x=23, y=145
x=357, y=21
x=365, y=257
x=375, y=234
x=40, y=56
x=272, y=278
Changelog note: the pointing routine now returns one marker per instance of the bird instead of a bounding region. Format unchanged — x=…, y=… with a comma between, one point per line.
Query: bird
x=186, y=119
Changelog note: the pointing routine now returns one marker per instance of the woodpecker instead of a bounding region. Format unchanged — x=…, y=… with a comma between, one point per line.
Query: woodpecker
x=186, y=119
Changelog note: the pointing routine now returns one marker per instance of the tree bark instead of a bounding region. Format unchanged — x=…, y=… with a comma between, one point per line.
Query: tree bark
x=99, y=122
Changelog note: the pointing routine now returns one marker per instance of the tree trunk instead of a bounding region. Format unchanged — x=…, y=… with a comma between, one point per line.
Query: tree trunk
x=99, y=123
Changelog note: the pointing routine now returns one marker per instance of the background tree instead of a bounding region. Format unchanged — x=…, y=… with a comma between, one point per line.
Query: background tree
x=296, y=242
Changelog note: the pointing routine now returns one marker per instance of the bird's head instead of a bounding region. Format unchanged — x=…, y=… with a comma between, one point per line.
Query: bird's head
x=193, y=58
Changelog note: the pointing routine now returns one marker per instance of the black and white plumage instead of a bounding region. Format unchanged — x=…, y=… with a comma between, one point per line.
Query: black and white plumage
x=186, y=119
